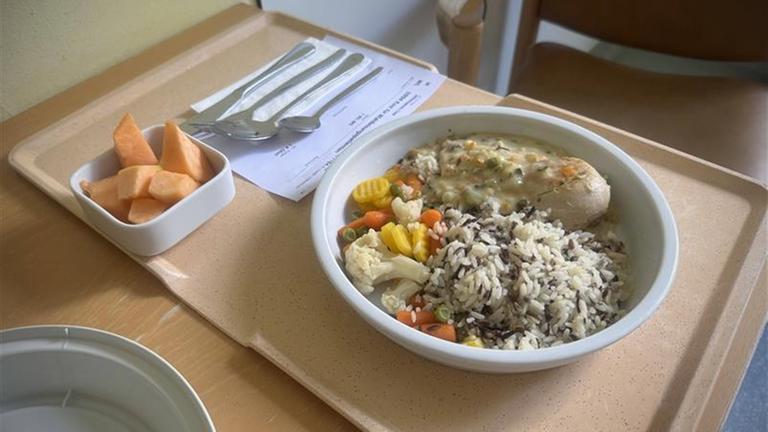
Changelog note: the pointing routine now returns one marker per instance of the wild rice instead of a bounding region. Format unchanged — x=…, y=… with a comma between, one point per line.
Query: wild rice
x=521, y=281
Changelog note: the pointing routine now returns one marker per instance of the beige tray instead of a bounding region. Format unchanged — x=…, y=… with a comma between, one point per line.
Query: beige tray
x=251, y=272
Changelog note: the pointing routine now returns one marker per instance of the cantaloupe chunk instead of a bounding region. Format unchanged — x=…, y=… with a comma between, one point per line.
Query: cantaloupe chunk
x=170, y=187
x=130, y=145
x=145, y=209
x=133, y=181
x=182, y=156
x=104, y=193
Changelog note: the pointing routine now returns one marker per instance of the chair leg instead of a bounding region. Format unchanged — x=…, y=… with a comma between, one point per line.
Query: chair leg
x=464, y=44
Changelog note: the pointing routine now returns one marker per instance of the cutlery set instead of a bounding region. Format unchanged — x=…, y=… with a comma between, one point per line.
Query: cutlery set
x=241, y=126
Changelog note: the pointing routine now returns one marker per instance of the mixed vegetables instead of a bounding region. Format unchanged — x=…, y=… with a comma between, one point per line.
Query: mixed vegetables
x=390, y=239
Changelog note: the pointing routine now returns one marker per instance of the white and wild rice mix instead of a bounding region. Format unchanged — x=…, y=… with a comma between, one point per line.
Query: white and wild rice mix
x=521, y=281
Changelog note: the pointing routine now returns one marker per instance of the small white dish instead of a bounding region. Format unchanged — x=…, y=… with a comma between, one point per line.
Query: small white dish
x=178, y=221
x=69, y=378
x=646, y=223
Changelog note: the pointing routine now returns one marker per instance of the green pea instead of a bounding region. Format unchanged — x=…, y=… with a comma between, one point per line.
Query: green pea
x=492, y=163
x=348, y=234
x=396, y=191
x=443, y=313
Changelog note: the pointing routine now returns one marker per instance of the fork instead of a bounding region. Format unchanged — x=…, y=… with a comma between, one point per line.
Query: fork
x=301, y=77
x=225, y=105
x=247, y=129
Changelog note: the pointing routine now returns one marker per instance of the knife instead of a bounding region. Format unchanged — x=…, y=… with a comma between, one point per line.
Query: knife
x=295, y=80
x=223, y=106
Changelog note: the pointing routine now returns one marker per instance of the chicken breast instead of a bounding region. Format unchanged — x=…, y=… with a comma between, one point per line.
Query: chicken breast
x=582, y=198
x=514, y=170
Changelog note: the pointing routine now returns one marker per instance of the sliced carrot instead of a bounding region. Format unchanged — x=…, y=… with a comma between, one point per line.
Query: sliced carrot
x=357, y=223
x=376, y=219
x=434, y=245
x=421, y=317
x=416, y=300
x=430, y=217
x=568, y=171
x=413, y=181
x=372, y=219
x=442, y=331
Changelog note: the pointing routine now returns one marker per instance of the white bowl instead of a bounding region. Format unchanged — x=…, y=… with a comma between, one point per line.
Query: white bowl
x=646, y=224
x=175, y=223
x=68, y=378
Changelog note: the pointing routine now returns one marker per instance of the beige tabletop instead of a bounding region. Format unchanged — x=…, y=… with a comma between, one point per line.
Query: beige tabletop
x=57, y=270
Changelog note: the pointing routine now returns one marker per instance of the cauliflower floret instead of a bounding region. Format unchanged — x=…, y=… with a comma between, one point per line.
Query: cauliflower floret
x=393, y=299
x=407, y=191
x=369, y=262
x=407, y=212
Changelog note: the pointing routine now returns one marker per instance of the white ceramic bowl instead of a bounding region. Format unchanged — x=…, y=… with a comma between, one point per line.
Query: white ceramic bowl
x=646, y=224
x=69, y=378
x=159, y=234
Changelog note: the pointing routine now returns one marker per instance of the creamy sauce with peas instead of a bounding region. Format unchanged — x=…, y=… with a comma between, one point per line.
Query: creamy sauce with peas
x=509, y=168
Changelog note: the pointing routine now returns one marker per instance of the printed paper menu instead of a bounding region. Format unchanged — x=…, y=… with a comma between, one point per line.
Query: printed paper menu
x=291, y=164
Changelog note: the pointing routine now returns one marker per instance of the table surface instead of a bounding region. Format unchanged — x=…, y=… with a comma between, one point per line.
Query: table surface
x=42, y=282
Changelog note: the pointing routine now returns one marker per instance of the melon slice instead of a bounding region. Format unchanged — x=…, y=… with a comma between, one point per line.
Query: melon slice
x=182, y=156
x=130, y=145
x=170, y=187
x=133, y=182
x=146, y=209
x=104, y=193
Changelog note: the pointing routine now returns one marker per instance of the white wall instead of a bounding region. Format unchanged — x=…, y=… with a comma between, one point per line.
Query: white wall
x=409, y=26
x=47, y=46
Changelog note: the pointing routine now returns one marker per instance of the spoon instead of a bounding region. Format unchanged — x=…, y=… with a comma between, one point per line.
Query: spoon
x=307, y=124
x=245, y=115
x=225, y=105
x=251, y=130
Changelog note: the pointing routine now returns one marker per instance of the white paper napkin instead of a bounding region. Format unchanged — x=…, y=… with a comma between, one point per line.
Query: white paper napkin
x=323, y=50
x=291, y=164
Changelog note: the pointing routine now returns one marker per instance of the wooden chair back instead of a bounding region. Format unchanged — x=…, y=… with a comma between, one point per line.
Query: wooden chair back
x=703, y=29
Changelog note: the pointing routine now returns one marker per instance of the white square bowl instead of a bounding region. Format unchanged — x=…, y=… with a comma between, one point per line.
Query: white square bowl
x=175, y=223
